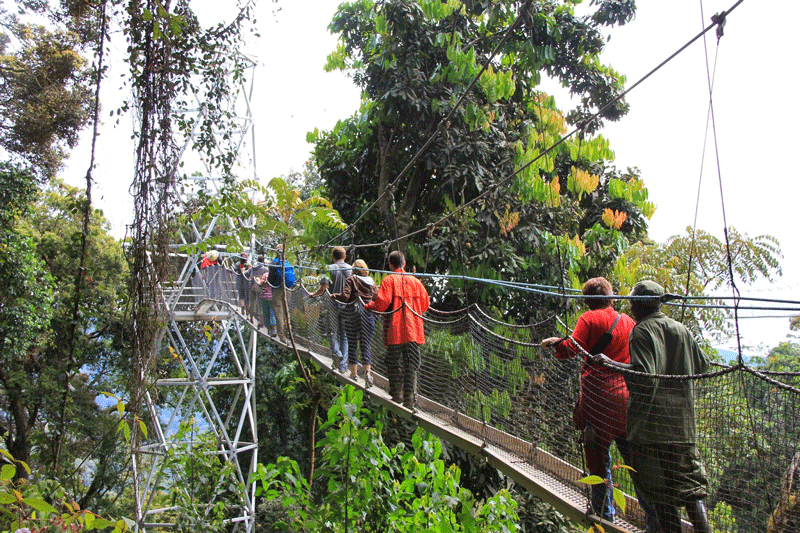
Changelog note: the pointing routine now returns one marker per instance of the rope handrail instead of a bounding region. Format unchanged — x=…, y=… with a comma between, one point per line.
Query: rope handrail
x=574, y=294
x=504, y=393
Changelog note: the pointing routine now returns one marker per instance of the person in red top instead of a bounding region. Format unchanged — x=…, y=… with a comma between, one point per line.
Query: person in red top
x=603, y=402
x=404, y=298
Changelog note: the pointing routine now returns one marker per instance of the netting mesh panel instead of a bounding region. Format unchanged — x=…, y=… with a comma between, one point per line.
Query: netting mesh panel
x=494, y=381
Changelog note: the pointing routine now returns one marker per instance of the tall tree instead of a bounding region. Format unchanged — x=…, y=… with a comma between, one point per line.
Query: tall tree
x=44, y=93
x=25, y=311
x=414, y=60
x=33, y=405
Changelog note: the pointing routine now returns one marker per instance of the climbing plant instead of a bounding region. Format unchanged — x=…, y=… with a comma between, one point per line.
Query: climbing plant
x=172, y=59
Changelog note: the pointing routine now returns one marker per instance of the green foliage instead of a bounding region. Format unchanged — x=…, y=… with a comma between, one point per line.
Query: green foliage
x=280, y=214
x=538, y=517
x=721, y=518
x=784, y=358
x=461, y=353
x=26, y=300
x=700, y=260
x=44, y=94
x=25, y=312
x=17, y=192
x=42, y=505
x=202, y=485
x=413, y=61
x=370, y=487
x=482, y=406
x=39, y=260
x=619, y=496
x=206, y=66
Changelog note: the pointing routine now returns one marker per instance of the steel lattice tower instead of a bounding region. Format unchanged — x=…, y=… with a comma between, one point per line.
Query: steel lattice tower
x=201, y=398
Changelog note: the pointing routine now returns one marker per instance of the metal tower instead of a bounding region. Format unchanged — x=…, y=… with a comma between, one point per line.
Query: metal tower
x=201, y=397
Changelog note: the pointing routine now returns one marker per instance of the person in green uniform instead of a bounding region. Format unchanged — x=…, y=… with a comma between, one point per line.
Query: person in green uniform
x=661, y=415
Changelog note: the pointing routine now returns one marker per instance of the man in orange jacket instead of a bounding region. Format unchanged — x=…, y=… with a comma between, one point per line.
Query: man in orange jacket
x=405, y=299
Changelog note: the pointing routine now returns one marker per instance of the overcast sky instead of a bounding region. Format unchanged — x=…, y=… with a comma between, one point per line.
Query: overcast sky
x=663, y=135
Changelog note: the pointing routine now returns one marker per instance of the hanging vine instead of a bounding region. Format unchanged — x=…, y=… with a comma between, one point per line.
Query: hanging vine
x=173, y=64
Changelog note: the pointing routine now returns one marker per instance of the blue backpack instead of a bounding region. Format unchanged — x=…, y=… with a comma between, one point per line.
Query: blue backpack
x=278, y=274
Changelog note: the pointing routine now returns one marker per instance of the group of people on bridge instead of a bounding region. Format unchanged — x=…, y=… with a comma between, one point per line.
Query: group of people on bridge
x=259, y=287
x=354, y=300
x=626, y=397
x=351, y=321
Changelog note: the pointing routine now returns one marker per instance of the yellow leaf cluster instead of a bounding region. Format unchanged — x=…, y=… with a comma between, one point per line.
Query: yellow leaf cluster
x=507, y=221
x=614, y=219
x=554, y=193
x=578, y=244
x=581, y=181
x=553, y=119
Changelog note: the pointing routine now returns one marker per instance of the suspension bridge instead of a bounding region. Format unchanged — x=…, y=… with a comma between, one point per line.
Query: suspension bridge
x=485, y=386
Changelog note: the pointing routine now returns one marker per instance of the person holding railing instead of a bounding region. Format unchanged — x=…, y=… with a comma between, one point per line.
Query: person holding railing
x=255, y=273
x=359, y=289
x=600, y=412
x=265, y=297
x=661, y=417
x=404, y=298
x=210, y=270
x=280, y=277
x=242, y=283
x=338, y=273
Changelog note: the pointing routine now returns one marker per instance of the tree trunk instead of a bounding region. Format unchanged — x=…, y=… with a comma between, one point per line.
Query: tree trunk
x=386, y=196
x=18, y=444
x=312, y=431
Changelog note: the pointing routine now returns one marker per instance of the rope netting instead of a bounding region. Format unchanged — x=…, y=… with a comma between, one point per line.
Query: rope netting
x=494, y=380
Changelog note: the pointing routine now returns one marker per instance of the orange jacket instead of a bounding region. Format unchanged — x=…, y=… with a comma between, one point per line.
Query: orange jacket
x=397, y=291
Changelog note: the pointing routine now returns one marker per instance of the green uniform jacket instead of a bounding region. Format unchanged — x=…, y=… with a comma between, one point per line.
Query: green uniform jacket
x=661, y=411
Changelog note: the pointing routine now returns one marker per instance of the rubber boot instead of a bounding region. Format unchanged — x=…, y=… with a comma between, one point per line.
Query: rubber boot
x=698, y=516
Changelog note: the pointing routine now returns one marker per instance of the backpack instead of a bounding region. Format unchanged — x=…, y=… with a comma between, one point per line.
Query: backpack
x=276, y=274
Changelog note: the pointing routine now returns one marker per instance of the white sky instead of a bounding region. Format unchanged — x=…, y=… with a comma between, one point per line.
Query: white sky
x=663, y=134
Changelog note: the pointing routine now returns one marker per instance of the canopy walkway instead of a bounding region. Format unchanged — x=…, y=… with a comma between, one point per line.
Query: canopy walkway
x=486, y=387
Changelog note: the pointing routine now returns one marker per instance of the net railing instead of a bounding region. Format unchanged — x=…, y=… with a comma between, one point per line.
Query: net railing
x=494, y=380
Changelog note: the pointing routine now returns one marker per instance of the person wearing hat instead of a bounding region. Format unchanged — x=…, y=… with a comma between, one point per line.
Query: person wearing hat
x=662, y=429
x=209, y=259
x=255, y=273
x=210, y=269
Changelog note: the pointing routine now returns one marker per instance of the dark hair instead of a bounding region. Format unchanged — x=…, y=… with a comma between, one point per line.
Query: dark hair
x=397, y=259
x=598, y=287
x=339, y=253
